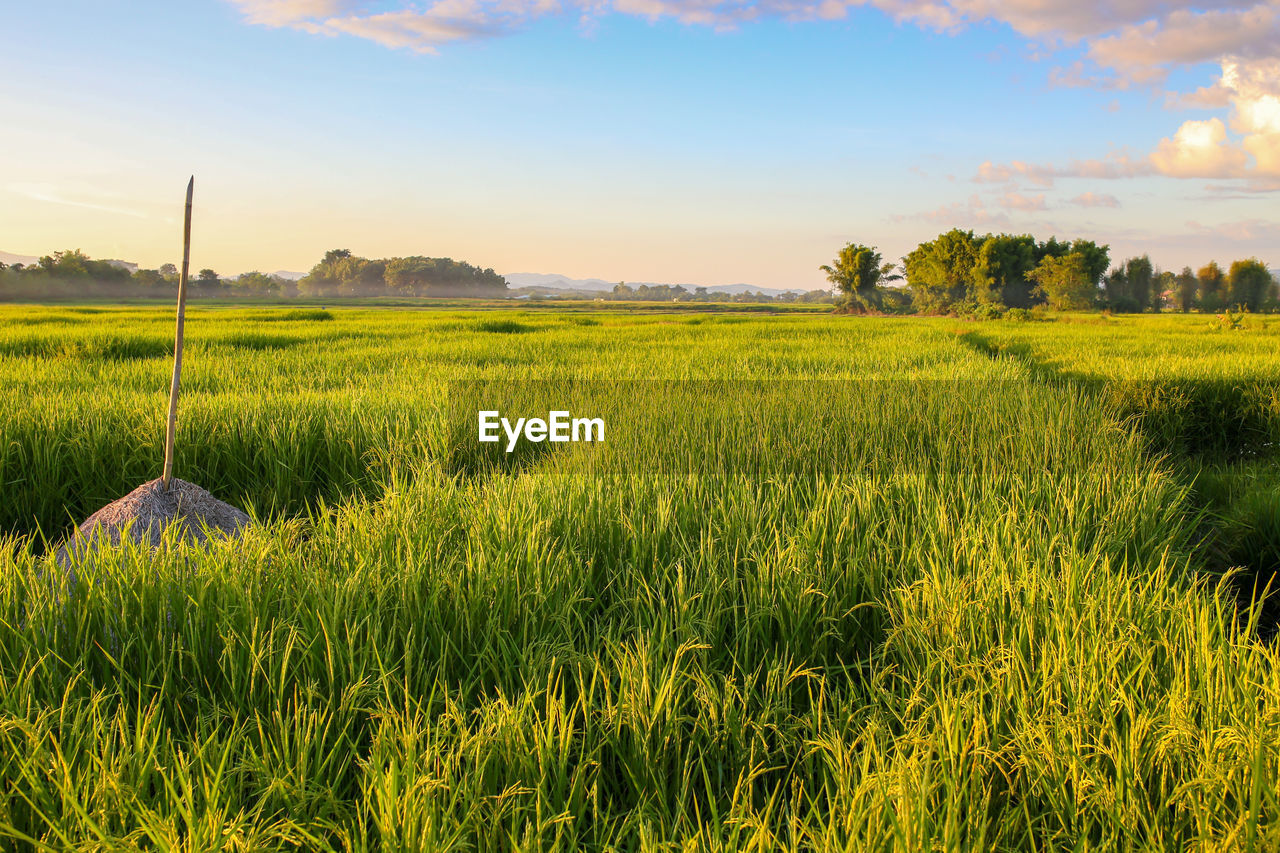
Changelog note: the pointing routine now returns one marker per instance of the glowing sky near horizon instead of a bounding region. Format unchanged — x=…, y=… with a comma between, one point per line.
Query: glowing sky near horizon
x=640, y=140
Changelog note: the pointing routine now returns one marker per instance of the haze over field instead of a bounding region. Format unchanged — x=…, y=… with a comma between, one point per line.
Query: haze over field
x=664, y=141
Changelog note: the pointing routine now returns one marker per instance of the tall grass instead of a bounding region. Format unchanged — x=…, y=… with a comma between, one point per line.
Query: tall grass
x=956, y=610
x=281, y=411
x=1189, y=384
x=1202, y=392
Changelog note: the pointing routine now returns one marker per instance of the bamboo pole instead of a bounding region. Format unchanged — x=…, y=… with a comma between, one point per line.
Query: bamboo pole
x=172, y=426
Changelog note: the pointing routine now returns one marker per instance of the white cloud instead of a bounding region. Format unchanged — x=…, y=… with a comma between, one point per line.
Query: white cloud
x=729, y=13
x=1026, y=204
x=1121, y=32
x=1092, y=199
x=446, y=21
x=1243, y=231
x=1254, y=91
x=1001, y=173
x=1188, y=37
x=1203, y=149
x=1199, y=149
x=1252, y=189
x=422, y=28
x=399, y=25
x=1119, y=165
x=1243, y=37
x=971, y=213
x=286, y=13
x=1136, y=40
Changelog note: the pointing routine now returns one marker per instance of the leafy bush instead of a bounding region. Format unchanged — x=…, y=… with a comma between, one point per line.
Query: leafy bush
x=972, y=309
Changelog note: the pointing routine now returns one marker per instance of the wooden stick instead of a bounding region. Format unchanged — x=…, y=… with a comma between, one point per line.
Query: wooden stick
x=172, y=427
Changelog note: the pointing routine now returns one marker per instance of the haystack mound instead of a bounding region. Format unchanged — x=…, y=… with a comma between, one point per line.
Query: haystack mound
x=145, y=513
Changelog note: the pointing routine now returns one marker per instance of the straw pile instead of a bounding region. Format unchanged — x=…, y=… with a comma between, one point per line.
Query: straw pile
x=145, y=513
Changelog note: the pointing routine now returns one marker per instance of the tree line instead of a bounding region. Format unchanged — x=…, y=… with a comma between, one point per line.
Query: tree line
x=341, y=273
x=986, y=275
x=957, y=272
x=623, y=292
x=72, y=274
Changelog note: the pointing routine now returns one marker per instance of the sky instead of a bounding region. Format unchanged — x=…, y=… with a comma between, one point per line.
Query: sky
x=640, y=140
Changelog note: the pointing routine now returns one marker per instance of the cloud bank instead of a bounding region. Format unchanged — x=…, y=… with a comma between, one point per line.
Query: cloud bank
x=1129, y=36
x=1199, y=148
x=1092, y=199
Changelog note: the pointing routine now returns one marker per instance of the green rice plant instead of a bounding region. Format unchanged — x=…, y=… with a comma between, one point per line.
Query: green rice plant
x=1190, y=387
x=293, y=315
x=503, y=327
x=830, y=583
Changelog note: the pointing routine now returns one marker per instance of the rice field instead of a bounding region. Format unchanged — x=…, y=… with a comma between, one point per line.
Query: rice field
x=830, y=583
x=1204, y=392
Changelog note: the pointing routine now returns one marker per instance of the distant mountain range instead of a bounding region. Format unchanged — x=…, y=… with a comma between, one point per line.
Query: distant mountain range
x=555, y=282
x=10, y=259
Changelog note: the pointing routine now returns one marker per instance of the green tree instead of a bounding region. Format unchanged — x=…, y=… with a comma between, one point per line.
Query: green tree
x=1096, y=259
x=336, y=267
x=208, y=279
x=257, y=284
x=1052, y=248
x=149, y=279
x=1248, y=283
x=1212, y=280
x=71, y=263
x=1000, y=271
x=1185, y=288
x=74, y=264
x=1165, y=290
x=1131, y=287
x=344, y=274
x=1065, y=283
x=408, y=276
x=941, y=271
x=857, y=272
x=361, y=277
x=1140, y=274
x=1115, y=292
